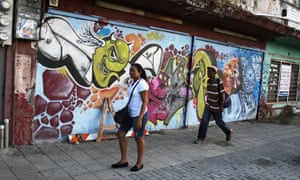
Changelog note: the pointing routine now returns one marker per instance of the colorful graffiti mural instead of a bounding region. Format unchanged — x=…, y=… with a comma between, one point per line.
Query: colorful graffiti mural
x=240, y=70
x=81, y=62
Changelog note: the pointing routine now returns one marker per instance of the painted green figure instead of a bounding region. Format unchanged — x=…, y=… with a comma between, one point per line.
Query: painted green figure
x=109, y=62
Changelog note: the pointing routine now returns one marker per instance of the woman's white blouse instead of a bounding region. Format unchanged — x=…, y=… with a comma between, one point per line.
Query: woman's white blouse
x=136, y=102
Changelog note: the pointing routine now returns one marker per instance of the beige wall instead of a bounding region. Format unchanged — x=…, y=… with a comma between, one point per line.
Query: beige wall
x=273, y=9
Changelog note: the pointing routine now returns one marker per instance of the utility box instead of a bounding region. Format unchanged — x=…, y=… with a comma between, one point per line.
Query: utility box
x=28, y=19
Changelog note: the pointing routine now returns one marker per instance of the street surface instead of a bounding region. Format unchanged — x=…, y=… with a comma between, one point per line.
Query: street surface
x=257, y=151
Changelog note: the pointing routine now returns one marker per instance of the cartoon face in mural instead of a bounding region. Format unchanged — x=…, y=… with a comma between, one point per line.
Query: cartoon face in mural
x=231, y=75
x=201, y=62
x=109, y=61
x=248, y=76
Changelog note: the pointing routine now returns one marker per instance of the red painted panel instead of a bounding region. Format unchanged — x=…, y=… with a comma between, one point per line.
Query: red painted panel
x=22, y=124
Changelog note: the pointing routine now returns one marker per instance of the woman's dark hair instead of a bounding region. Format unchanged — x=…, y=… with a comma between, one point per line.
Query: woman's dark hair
x=141, y=70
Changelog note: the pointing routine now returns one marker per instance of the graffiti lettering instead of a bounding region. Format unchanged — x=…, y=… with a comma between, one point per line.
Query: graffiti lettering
x=155, y=36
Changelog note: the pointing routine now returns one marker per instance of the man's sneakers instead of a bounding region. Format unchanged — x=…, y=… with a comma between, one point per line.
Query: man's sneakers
x=228, y=136
x=199, y=141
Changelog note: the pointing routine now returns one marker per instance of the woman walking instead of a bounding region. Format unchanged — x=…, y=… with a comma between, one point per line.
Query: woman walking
x=138, y=117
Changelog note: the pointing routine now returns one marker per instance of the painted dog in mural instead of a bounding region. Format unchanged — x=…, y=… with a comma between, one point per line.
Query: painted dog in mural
x=60, y=45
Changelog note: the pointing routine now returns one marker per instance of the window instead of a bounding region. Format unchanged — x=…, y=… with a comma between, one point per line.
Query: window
x=273, y=81
x=274, y=90
x=294, y=82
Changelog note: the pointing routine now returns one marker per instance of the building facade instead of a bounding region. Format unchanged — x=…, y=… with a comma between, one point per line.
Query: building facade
x=65, y=67
x=281, y=78
x=282, y=11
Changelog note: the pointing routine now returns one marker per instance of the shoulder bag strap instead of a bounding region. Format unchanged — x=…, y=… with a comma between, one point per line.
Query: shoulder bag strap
x=132, y=92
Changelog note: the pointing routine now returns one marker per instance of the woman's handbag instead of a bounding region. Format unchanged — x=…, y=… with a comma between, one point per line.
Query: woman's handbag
x=123, y=113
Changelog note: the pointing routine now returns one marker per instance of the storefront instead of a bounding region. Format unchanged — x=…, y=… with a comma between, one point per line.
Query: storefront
x=281, y=79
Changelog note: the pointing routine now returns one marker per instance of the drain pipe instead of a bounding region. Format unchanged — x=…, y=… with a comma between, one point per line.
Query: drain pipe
x=6, y=123
x=1, y=136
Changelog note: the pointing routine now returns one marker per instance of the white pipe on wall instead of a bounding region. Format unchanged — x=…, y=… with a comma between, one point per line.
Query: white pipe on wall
x=1, y=136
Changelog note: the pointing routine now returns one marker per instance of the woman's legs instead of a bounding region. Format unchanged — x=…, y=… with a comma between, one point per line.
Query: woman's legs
x=123, y=146
x=140, y=142
x=121, y=134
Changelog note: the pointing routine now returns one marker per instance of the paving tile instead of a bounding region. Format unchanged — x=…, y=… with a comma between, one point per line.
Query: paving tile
x=169, y=154
x=42, y=162
x=56, y=174
x=107, y=174
x=75, y=169
x=32, y=176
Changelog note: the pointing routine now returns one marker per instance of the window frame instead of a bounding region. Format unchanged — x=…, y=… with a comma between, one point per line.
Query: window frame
x=274, y=82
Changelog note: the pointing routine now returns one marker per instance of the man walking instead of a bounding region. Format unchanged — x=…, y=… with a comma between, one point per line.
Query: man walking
x=214, y=106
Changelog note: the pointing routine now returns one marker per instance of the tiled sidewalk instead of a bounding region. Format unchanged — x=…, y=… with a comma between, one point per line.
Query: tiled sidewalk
x=166, y=151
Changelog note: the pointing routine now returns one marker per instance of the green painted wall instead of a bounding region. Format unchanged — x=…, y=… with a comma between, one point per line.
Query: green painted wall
x=285, y=49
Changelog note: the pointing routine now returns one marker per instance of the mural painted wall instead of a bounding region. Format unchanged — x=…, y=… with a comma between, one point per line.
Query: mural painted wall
x=82, y=60
x=240, y=70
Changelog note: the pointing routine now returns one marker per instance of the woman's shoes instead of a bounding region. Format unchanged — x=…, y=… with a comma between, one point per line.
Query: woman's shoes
x=119, y=165
x=136, y=168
